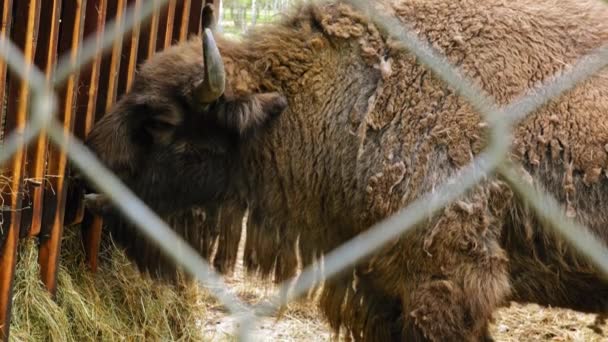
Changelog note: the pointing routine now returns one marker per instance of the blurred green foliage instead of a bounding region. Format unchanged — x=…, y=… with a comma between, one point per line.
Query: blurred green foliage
x=240, y=15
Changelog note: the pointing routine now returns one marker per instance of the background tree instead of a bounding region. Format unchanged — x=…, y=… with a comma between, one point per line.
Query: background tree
x=239, y=15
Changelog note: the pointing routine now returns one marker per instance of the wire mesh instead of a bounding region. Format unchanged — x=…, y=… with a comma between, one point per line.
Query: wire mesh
x=492, y=159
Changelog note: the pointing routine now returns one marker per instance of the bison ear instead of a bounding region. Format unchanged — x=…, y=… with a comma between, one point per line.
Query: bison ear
x=246, y=115
x=111, y=140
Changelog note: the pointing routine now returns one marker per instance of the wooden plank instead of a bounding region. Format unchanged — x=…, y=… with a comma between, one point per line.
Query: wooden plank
x=129, y=58
x=165, y=33
x=45, y=59
x=86, y=101
x=25, y=23
x=72, y=18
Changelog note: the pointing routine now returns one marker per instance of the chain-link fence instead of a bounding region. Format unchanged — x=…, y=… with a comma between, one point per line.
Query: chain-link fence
x=43, y=99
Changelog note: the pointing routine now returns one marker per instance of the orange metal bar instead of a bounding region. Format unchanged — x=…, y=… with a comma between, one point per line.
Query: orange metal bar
x=86, y=102
x=114, y=65
x=90, y=80
x=7, y=8
x=26, y=22
x=181, y=20
x=92, y=238
x=110, y=64
x=109, y=80
x=129, y=58
x=194, y=21
x=85, y=118
x=46, y=57
x=165, y=34
x=147, y=36
x=107, y=88
x=8, y=236
x=70, y=38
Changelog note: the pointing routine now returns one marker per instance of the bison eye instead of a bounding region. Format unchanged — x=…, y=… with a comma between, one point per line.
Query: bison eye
x=159, y=125
x=160, y=130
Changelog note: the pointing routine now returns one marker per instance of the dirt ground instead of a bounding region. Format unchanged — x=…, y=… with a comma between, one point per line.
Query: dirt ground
x=303, y=322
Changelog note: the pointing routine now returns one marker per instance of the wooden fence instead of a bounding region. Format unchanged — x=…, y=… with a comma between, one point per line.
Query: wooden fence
x=36, y=198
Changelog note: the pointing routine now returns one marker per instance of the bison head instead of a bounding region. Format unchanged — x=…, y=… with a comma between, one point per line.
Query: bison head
x=174, y=136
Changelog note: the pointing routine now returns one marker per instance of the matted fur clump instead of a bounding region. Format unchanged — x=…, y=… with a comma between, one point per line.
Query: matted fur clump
x=116, y=303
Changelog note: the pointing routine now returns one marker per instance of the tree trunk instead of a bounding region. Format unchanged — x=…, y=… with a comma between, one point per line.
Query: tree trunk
x=220, y=14
x=253, y=12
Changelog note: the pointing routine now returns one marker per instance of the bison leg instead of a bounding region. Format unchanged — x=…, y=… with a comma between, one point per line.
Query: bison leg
x=365, y=314
x=462, y=273
x=441, y=312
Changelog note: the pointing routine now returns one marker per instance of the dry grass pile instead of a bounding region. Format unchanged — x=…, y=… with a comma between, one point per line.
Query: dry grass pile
x=536, y=323
x=117, y=303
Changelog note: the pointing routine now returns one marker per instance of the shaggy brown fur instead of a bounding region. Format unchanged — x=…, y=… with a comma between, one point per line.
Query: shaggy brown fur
x=367, y=131
x=214, y=233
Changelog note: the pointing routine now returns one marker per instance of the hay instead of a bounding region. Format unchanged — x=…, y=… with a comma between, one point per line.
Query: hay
x=536, y=323
x=117, y=303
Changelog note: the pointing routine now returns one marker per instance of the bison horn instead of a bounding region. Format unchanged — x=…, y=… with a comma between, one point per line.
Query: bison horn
x=214, y=81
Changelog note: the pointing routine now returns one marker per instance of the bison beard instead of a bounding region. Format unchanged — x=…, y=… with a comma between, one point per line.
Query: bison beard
x=213, y=232
x=326, y=126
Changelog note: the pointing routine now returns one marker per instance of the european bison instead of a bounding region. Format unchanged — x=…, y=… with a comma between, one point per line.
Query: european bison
x=322, y=125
